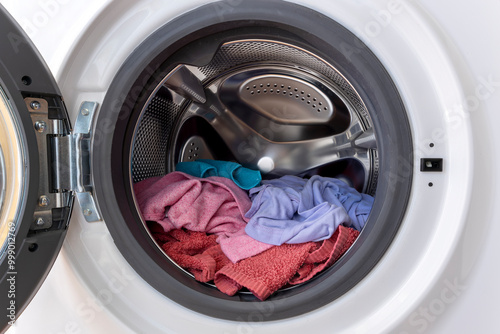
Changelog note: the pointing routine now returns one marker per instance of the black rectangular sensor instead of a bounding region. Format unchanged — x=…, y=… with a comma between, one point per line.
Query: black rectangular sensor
x=431, y=165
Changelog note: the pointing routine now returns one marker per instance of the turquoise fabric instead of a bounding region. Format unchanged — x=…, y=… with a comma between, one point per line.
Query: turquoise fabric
x=243, y=177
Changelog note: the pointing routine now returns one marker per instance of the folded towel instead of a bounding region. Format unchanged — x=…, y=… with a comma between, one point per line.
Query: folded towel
x=265, y=273
x=213, y=205
x=243, y=177
x=295, y=210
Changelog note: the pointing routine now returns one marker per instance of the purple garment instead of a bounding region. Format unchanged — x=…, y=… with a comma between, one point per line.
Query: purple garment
x=295, y=210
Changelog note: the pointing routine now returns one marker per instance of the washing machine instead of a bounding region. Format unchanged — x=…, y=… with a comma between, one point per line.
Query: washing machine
x=397, y=98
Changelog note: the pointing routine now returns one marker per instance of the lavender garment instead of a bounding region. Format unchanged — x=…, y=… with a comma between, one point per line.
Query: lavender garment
x=295, y=210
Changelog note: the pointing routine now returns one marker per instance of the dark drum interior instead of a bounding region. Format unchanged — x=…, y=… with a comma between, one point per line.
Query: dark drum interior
x=268, y=105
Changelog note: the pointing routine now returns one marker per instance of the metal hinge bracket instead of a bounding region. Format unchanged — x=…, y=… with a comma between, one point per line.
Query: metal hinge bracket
x=71, y=161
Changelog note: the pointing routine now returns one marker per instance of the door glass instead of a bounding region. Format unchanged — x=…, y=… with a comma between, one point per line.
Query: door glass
x=12, y=174
x=2, y=179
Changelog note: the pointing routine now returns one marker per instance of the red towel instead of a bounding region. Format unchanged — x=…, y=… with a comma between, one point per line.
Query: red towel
x=328, y=252
x=159, y=234
x=265, y=273
x=197, y=252
x=262, y=274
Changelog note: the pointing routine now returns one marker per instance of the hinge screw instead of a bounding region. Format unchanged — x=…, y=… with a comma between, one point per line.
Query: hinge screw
x=35, y=105
x=40, y=126
x=40, y=222
x=87, y=212
x=43, y=201
x=85, y=112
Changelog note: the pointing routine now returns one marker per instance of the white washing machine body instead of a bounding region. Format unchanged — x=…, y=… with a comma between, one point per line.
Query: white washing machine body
x=439, y=274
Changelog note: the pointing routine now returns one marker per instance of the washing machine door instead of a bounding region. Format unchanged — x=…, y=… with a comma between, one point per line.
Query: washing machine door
x=36, y=182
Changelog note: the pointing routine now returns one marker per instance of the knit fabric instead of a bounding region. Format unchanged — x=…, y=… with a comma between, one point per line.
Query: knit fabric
x=243, y=177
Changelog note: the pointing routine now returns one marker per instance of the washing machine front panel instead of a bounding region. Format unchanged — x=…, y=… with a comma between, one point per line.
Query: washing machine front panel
x=226, y=49
x=430, y=202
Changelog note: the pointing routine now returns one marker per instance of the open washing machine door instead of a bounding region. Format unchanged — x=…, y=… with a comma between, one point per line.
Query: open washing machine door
x=37, y=177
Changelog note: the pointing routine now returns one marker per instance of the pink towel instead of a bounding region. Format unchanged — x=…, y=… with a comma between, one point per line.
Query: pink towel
x=214, y=205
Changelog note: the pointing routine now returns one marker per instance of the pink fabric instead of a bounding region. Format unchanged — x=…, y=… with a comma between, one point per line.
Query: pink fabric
x=213, y=205
x=241, y=246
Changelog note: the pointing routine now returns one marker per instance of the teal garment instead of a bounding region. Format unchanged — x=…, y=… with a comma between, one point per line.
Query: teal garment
x=243, y=177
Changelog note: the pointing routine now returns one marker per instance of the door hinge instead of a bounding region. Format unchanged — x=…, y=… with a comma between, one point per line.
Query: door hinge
x=65, y=160
x=71, y=160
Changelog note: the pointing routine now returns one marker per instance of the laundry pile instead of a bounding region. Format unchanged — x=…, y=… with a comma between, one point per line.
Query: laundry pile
x=279, y=233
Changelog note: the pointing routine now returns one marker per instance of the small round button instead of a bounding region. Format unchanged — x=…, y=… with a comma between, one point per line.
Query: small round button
x=265, y=164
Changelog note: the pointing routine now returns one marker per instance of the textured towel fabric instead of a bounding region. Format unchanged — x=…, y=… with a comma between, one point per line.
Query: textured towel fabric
x=326, y=254
x=295, y=210
x=243, y=177
x=265, y=273
x=288, y=264
x=213, y=205
x=195, y=252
